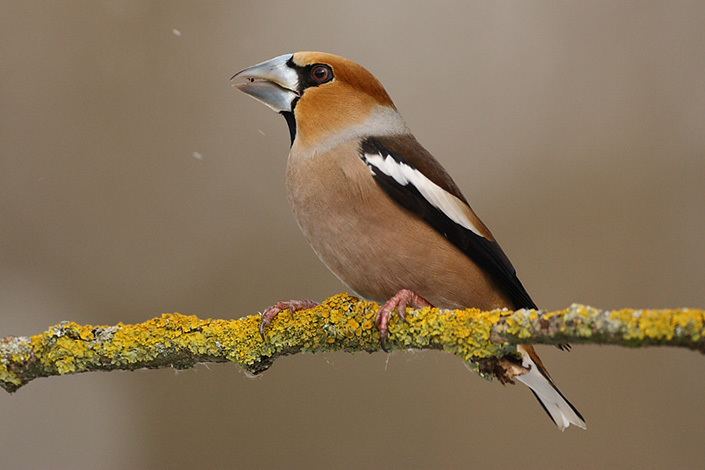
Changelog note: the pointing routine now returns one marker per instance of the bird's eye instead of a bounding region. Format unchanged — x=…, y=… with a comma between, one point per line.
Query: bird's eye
x=321, y=74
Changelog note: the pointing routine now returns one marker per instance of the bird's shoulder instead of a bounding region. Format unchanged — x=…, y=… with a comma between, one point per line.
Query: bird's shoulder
x=405, y=149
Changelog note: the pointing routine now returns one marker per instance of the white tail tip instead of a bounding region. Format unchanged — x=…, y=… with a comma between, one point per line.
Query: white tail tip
x=556, y=405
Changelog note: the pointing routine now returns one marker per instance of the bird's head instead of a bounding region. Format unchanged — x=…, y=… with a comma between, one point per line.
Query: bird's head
x=321, y=95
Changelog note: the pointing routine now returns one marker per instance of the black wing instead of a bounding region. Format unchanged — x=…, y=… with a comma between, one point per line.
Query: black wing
x=484, y=251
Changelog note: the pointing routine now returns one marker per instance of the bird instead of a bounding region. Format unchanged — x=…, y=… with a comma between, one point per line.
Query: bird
x=381, y=212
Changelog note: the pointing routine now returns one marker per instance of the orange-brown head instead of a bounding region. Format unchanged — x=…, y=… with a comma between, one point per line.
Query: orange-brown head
x=320, y=94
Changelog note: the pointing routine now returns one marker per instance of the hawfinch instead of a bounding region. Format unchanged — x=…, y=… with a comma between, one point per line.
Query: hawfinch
x=380, y=211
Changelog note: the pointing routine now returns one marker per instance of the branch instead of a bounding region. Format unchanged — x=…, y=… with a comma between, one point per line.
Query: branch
x=341, y=323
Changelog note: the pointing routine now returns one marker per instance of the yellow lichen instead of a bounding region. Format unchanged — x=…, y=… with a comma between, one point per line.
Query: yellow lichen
x=8, y=376
x=342, y=322
x=659, y=324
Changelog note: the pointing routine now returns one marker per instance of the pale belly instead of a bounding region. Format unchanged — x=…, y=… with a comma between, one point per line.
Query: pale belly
x=371, y=244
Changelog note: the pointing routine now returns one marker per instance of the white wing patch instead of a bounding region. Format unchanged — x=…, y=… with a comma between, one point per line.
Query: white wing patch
x=455, y=209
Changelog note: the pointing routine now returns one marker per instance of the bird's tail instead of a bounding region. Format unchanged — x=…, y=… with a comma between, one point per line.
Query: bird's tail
x=552, y=400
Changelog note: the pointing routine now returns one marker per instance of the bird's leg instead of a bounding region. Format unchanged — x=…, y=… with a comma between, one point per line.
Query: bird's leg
x=402, y=299
x=270, y=313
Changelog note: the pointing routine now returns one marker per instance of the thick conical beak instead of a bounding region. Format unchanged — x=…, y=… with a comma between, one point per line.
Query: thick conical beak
x=272, y=82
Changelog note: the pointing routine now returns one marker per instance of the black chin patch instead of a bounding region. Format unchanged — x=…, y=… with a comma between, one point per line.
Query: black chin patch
x=291, y=123
x=291, y=119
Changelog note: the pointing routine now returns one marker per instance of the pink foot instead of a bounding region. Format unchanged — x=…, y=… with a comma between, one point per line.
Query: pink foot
x=402, y=299
x=270, y=313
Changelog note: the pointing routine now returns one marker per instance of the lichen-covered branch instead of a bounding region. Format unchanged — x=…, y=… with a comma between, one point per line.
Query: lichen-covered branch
x=341, y=323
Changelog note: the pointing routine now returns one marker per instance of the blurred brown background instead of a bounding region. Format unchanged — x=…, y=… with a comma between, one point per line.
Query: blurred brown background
x=133, y=181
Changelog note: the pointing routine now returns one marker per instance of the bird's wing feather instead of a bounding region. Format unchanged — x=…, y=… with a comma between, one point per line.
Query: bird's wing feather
x=410, y=175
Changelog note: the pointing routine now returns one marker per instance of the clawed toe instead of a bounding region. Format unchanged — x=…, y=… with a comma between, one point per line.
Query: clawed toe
x=399, y=302
x=270, y=313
